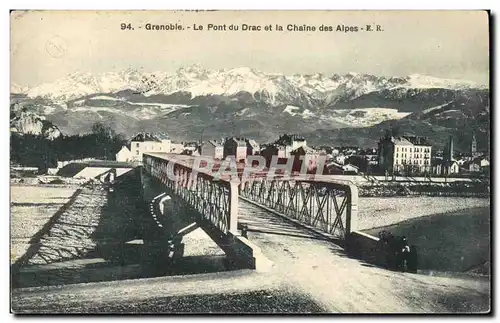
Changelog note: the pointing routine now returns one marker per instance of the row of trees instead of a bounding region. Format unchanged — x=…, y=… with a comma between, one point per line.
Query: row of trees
x=36, y=151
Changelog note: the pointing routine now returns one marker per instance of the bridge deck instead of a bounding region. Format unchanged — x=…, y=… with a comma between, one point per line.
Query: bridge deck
x=341, y=284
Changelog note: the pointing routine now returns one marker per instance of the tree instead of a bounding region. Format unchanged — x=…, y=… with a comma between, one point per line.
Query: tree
x=102, y=131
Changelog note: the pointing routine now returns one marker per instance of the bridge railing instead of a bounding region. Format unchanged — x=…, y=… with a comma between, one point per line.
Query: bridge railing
x=329, y=207
x=215, y=200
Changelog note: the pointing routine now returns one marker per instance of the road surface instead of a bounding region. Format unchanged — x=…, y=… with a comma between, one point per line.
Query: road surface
x=304, y=265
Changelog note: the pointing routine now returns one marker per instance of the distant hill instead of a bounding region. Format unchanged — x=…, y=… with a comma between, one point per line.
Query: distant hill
x=337, y=109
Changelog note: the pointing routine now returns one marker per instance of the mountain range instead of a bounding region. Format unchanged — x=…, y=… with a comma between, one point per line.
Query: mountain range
x=330, y=109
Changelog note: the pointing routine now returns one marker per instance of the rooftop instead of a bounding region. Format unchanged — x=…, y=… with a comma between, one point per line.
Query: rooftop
x=306, y=149
x=213, y=143
x=147, y=136
x=253, y=143
x=287, y=139
x=409, y=140
x=239, y=140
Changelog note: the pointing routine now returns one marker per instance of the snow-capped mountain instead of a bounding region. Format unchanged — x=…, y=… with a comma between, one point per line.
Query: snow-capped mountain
x=418, y=81
x=246, y=101
x=78, y=84
x=274, y=89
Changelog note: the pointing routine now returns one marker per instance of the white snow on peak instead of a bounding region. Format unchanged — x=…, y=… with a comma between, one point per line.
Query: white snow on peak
x=435, y=108
x=290, y=109
x=295, y=111
x=419, y=81
x=366, y=117
x=275, y=87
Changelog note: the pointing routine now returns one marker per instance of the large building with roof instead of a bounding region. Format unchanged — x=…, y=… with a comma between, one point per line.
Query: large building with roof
x=404, y=154
x=253, y=148
x=236, y=147
x=213, y=149
x=147, y=142
x=291, y=142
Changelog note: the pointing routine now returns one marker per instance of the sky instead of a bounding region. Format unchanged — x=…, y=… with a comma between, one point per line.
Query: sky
x=47, y=45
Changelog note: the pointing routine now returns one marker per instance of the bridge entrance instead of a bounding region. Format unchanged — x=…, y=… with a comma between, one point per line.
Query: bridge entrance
x=198, y=199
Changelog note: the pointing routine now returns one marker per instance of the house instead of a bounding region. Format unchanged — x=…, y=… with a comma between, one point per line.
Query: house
x=409, y=154
x=213, y=149
x=360, y=161
x=340, y=159
x=291, y=142
x=253, y=148
x=327, y=149
x=124, y=155
x=348, y=150
x=176, y=147
x=372, y=160
x=483, y=162
x=472, y=167
x=463, y=160
x=478, y=164
x=453, y=168
x=309, y=157
x=338, y=169
x=189, y=152
x=442, y=167
x=165, y=141
x=350, y=169
x=274, y=151
x=192, y=145
x=148, y=142
x=235, y=147
x=334, y=168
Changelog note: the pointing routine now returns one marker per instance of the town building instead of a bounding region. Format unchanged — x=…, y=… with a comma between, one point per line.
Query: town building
x=291, y=142
x=350, y=169
x=253, y=148
x=308, y=156
x=236, y=147
x=482, y=161
x=340, y=159
x=338, y=169
x=478, y=164
x=472, y=167
x=148, y=142
x=189, y=152
x=192, y=145
x=442, y=167
x=334, y=168
x=273, y=150
x=176, y=147
x=463, y=160
x=404, y=154
x=213, y=149
x=124, y=155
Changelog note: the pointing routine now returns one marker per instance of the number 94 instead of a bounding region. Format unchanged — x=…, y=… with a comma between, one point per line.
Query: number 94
x=124, y=26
